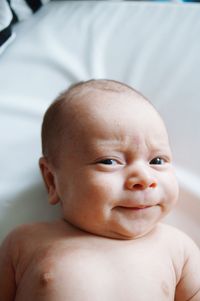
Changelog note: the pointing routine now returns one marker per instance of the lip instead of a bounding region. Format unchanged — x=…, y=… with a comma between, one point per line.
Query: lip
x=135, y=208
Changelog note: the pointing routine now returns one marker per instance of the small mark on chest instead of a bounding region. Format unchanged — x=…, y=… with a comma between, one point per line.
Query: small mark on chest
x=46, y=279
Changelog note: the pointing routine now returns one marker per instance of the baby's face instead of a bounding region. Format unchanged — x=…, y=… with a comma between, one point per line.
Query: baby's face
x=116, y=178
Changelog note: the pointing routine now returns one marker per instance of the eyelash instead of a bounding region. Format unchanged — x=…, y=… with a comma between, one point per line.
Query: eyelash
x=154, y=161
x=105, y=161
x=161, y=160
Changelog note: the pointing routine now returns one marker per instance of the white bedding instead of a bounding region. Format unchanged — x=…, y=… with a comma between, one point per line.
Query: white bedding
x=153, y=46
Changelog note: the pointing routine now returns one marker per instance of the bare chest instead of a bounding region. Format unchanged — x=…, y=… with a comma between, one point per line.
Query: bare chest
x=98, y=276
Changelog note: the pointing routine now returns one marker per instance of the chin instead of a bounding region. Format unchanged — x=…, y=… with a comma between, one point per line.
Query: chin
x=130, y=234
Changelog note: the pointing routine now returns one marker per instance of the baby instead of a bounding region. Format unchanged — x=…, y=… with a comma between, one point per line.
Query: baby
x=107, y=162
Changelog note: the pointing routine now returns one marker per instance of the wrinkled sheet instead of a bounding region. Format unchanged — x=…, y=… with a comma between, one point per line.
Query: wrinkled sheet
x=155, y=47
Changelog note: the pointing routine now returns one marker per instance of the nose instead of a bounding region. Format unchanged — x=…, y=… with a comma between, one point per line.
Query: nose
x=140, y=179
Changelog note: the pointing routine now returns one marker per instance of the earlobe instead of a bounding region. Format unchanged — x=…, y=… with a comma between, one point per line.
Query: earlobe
x=49, y=180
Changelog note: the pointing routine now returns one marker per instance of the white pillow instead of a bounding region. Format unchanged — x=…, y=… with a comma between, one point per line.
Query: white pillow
x=12, y=12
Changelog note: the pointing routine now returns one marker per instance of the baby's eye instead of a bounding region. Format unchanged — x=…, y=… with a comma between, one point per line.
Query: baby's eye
x=157, y=161
x=108, y=162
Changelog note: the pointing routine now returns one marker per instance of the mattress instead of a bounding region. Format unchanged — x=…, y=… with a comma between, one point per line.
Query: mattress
x=154, y=47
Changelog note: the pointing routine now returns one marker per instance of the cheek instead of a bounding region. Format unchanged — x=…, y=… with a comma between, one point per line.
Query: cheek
x=90, y=189
x=102, y=186
x=171, y=189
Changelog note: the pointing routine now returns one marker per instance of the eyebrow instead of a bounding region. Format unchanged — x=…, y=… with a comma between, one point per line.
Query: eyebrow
x=112, y=143
x=122, y=145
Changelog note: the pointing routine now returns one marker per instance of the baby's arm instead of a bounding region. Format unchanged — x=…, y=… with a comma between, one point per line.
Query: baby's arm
x=7, y=276
x=188, y=288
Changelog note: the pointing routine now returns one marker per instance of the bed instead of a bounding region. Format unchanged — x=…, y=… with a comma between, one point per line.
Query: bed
x=154, y=47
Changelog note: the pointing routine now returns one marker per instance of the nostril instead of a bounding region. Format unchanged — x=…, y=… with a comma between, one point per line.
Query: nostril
x=138, y=186
x=153, y=185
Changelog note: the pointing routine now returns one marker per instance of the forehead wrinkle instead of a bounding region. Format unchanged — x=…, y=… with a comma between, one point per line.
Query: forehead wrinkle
x=159, y=144
x=122, y=144
x=111, y=143
x=136, y=143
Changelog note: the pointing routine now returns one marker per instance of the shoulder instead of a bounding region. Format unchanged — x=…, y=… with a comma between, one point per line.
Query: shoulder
x=188, y=284
x=172, y=234
x=27, y=236
x=24, y=232
x=35, y=229
x=13, y=240
x=185, y=256
x=177, y=241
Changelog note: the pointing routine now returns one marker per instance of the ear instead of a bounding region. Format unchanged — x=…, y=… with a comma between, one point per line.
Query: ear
x=49, y=180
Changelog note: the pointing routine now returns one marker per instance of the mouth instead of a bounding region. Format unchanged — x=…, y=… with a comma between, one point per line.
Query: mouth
x=136, y=208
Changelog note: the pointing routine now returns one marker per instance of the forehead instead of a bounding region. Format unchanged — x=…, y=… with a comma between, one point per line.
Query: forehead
x=111, y=115
x=97, y=103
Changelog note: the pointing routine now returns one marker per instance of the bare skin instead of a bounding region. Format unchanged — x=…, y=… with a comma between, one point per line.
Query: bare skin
x=59, y=262
x=114, y=185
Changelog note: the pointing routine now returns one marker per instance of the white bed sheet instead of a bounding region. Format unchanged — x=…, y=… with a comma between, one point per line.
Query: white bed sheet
x=153, y=46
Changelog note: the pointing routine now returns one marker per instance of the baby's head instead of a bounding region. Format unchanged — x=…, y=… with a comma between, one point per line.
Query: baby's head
x=107, y=161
